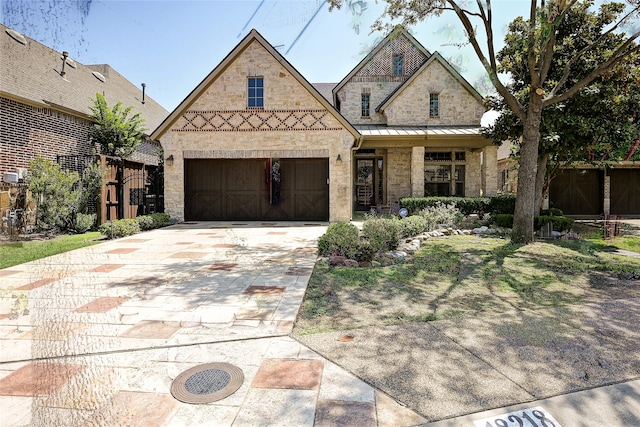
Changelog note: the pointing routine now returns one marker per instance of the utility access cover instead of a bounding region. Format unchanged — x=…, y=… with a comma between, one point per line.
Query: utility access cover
x=207, y=383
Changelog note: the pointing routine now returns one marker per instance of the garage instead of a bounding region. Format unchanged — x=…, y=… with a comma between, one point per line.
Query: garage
x=578, y=192
x=241, y=189
x=625, y=192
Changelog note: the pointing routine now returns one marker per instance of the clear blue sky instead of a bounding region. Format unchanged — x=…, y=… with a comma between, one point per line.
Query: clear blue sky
x=172, y=45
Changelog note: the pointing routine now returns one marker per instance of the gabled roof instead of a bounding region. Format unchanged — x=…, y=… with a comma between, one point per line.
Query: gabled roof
x=30, y=73
x=435, y=57
x=397, y=32
x=325, y=90
x=226, y=62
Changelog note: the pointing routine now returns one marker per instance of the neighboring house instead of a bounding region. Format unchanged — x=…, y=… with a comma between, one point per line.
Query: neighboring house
x=584, y=190
x=256, y=141
x=45, y=101
x=45, y=112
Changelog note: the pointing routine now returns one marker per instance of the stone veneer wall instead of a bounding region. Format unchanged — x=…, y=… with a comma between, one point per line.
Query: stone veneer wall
x=490, y=170
x=473, y=174
x=398, y=174
x=377, y=76
x=293, y=124
x=457, y=106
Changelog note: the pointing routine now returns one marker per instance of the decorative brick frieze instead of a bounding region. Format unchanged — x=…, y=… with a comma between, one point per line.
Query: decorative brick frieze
x=255, y=120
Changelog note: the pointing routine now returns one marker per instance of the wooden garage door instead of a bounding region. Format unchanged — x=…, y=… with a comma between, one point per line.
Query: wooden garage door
x=578, y=192
x=237, y=190
x=625, y=192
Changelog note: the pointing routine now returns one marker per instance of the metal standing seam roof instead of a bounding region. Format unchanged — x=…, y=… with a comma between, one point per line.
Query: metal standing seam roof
x=372, y=130
x=30, y=73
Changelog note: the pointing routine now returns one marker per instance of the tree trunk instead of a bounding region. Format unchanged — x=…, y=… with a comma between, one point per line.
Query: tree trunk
x=541, y=179
x=526, y=194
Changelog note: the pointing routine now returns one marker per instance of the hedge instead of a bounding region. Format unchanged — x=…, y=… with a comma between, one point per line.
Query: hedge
x=559, y=223
x=466, y=205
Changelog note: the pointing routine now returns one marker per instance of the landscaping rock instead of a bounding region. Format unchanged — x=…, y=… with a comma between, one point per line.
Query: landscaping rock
x=399, y=255
x=365, y=264
x=481, y=230
x=351, y=263
x=337, y=260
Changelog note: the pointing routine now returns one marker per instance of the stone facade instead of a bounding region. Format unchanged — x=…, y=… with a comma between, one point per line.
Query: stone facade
x=292, y=124
x=398, y=174
x=456, y=105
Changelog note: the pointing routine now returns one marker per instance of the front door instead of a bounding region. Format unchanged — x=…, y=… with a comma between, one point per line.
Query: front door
x=368, y=183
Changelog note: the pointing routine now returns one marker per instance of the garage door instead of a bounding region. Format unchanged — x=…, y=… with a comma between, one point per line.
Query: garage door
x=578, y=192
x=625, y=192
x=239, y=190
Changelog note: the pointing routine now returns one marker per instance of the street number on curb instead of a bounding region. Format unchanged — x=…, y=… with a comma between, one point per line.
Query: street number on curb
x=533, y=417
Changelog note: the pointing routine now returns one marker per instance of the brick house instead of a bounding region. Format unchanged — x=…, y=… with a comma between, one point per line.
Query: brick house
x=45, y=102
x=46, y=113
x=402, y=123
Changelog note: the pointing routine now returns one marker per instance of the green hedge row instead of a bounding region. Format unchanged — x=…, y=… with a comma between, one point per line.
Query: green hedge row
x=127, y=227
x=502, y=204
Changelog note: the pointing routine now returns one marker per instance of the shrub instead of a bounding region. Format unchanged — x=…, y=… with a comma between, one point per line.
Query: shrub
x=365, y=251
x=559, y=223
x=341, y=238
x=466, y=205
x=160, y=219
x=145, y=222
x=413, y=225
x=84, y=222
x=442, y=215
x=119, y=228
x=382, y=233
x=503, y=220
x=502, y=204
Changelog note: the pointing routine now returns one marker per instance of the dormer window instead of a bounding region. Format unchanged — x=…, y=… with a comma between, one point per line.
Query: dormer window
x=434, y=105
x=255, y=95
x=398, y=64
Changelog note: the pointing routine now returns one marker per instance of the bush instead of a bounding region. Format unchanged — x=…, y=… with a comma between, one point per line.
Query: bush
x=502, y=204
x=382, y=233
x=442, y=215
x=119, y=228
x=341, y=239
x=365, y=252
x=559, y=223
x=145, y=222
x=160, y=219
x=466, y=205
x=503, y=220
x=413, y=225
x=84, y=222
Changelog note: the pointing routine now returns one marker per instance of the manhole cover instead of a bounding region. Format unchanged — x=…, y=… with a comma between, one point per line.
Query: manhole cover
x=207, y=383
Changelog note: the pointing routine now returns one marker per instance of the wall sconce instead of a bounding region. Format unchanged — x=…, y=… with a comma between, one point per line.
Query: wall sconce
x=169, y=160
x=339, y=160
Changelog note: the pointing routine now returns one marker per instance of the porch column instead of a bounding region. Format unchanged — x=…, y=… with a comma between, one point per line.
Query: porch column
x=607, y=193
x=490, y=171
x=473, y=178
x=417, y=172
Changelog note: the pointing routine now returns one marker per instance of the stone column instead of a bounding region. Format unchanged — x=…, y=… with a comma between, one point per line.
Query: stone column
x=607, y=193
x=490, y=171
x=417, y=172
x=473, y=174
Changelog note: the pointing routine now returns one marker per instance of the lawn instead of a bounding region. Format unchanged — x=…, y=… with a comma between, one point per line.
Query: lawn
x=14, y=253
x=468, y=275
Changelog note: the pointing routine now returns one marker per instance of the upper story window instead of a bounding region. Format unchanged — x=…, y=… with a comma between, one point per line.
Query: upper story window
x=434, y=105
x=255, y=94
x=398, y=64
x=365, y=100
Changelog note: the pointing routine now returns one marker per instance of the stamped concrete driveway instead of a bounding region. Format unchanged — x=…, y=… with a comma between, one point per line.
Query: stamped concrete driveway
x=96, y=336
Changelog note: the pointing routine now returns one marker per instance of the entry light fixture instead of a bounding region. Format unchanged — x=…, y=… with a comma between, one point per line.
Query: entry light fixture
x=169, y=160
x=339, y=160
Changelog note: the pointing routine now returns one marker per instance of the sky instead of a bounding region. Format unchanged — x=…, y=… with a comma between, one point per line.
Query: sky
x=173, y=45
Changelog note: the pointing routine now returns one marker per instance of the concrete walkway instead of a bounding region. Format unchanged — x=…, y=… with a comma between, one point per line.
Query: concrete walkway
x=109, y=327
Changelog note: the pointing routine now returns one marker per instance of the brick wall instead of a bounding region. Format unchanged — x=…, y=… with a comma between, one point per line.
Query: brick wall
x=27, y=132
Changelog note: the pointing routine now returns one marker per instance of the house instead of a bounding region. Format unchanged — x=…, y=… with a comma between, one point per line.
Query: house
x=585, y=190
x=45, y=100
x=256, y=141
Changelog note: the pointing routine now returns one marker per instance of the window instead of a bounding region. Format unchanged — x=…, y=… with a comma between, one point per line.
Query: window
x=365, y=104
x=255, y=94
x=434, y=107
x=398, y=65
x=444, y=173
